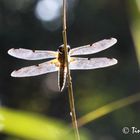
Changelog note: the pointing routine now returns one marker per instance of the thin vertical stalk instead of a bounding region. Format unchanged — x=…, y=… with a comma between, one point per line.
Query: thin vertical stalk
x=70, y=88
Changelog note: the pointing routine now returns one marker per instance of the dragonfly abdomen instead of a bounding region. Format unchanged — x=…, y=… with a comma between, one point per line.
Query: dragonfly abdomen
x=61, y=77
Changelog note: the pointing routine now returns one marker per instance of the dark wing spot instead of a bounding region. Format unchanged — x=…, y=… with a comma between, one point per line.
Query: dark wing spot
x=110, y=58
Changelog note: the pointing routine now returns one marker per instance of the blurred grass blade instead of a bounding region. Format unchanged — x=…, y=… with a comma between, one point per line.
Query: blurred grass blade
x=134, y=12
x=104, y=110
x=31, y=126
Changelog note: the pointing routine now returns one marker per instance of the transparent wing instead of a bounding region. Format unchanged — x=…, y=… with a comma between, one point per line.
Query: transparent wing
x=94, y=48
x=93, y=63
x=31, y=54
x=35, y=70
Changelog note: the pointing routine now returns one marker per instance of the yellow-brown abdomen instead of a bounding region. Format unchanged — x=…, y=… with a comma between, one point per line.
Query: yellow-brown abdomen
x=61, y=77
x=61, y=71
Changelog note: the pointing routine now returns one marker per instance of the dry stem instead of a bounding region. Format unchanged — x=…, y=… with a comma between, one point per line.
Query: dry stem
x=70, y=88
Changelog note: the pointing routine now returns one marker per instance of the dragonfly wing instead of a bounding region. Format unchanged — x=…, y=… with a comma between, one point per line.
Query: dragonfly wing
x=28, y=54
x=46, y=67
x=94, y=48
x=93, y=63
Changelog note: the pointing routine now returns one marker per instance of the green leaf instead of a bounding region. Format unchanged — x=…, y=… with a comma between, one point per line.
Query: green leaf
x=32, y=126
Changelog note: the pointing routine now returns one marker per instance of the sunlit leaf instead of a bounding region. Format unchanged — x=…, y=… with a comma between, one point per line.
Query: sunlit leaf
x=31, y=126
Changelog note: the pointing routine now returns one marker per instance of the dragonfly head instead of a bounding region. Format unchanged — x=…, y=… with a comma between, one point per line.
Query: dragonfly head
x=61, y=48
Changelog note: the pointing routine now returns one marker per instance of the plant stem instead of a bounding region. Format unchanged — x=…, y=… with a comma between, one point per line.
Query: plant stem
x=108, y=108
x=70, y=88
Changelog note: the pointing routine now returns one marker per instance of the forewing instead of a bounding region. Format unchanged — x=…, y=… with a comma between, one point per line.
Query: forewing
x=93, y=63
x=28, y=54
x=94, y=48
x=43, y=68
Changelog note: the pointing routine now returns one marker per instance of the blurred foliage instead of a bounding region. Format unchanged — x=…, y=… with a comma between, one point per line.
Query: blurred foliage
x=106, y=109
x=134, y=17
x=31, y=126
x=88, y=21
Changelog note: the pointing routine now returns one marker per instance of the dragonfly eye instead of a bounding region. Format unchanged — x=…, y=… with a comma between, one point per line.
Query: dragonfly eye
x=68, y=48
x=61, y=48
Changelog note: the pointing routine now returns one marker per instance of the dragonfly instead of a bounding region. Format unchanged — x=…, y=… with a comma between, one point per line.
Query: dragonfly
x=58, y=60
